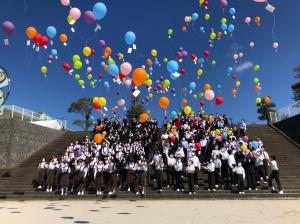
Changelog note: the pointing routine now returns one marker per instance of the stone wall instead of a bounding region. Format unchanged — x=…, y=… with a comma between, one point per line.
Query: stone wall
x=290, y=127
x=19, y=139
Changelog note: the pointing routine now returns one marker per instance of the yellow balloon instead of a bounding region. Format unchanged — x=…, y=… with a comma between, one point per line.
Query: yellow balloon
x=150, y=95
x=154, y=53
x=102, y=101
x=238, y=84
x=149, y=82
x=187, y=110
x=121, y=56
x=87, y=51
x=201, y=2
x=200, y=72
x=44, y=69
x=95, y=99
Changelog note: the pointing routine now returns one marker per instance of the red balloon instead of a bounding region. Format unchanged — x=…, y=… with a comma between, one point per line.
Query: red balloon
x=206, y=53
x=219, y=100
x=97, y=105
x=234, y=77
x=198, y=146
x=193, y=57
x=201, y=104
x=93, y=52
x=43, y=41
x=195, y=122
x=121, y=76
x=37, y=38
x=178, y=124
x=155, y=89
x=100, y=76
x=205, y=3
x=172, y=139
x=182, y=71
x=67, y=67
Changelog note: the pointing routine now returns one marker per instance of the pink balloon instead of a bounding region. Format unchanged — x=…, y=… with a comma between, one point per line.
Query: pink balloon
x=252, y=44
x=241, y=55
x=223, y=3
x=89, y=69
x=209, y=95
x=126, y=68
x=75, y=13
x=275, y=45
x=128, y=82
x=235, y=56
x=65, y=2
x=121, y=102
x=248, y=20
x=186, y=19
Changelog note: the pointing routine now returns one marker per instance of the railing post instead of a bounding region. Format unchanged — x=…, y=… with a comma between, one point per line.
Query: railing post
x=12, y=111
x=31, y=116
x=22, y=114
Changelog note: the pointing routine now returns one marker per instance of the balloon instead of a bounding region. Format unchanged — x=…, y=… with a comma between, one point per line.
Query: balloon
x=201, y=104
x=252, y=44
x=224, y=135
x=245, y=138
x=102, y=43
x=130, y=38
x=54, y=52
x=248, y=20
x=192, y=85
x=275, y=45
x=258, y=100
x=206, y=54
x=195, y=16
x=256, y=80
x=213, y=36
x=166, y=83
x=184, y=102
x=75, y=13
x=81, y=82
x=200, y=72
x=139, y=76
x=254, y=144
x=224, y=27
x=113, y=69
x=51, y=31
x=44, y=69
x=67, y=67
x=31, y=32
x=244, y=147
x=87, y=51
x=154, y=53
x=70, y=20
x=89, y=17
x=43, y=41
x=121, y=102
x=233, y=92
x=209, y=95
x=187, y=110
x=257, y=88
x=232, y=11
x=143, y=117
x=77, y=65
x=207, y=86
x=172, y=66
x=230, y=28
x=8, y=28
x=99, y=10
x=237, y=84
x=63, y=38
x=257, y=19
x=170, y=32
x=256, y=68
x=235, y=56
x=223, y=3
x=90, y=76
x=207, y=16
x=76, y=58
x=128, y=82
x=125, y=68
x=267, y=99
x=102, y=101
x=37, y=38
x=219, y=100
x=77, y=76
x=164, y=102
x=65, y=2
x=98, y=138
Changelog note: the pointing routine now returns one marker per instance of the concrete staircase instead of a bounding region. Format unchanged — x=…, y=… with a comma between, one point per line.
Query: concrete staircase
x=17, y=185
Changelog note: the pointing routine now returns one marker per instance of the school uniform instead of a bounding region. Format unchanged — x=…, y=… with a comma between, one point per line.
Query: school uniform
x=142, y=169
x=98, y=176
x=50, y=175
x=171, y=171
x=196, y=163
x=211, y=176
x=178, y=175
x=41, y=174
x=131, y=175
x=112, y=181
x=260, y=169
x=218, y=165
x=275, y=175
x=159, y=166
x=232, y=165
x=190, y=170
x=240, y=173
x=64, y=175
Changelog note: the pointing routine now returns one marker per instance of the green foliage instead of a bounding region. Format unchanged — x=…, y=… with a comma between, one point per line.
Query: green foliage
x=136, y=109
x=296, y=87
x=84, y=107
x=264, y=110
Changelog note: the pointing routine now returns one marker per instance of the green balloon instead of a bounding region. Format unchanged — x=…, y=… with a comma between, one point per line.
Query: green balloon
x=77, y=76
x=195, y=96
x=213, y=36
x=170, y=32
x=71, y=21
x=258, y=100
x=90, y=76
x=214, y=62
x=201, y=95
x=223, y=20
x=256, y=80
x=165, y=60
x=77, y=65
x=148, y=112
x=169, y=126
x=166, y=83
x=111, y=61
x=92, y=83
x=256, y=68
x=207, y=17
x=81, y=82
x=76, y=58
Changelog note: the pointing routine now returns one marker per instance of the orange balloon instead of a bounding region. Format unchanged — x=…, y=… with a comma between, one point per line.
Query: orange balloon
x=139, y=76
x=183, y=29
x=219, y=34
x=108, y=51
x=257, y=88
x=149, y=62
x=267, y=99
x=63, y=38
x=257, y=19
x=143, y=117
x=105, y=68
x=207, y=86
x=184, y=102
x=163, y=88
x=233, y=92
x=98, y=138
x=164, y=102
x=105, y=55
x=31, y=32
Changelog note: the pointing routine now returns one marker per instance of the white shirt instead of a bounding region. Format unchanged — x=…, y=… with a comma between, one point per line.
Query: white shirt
x=196, y=161
x=240, y=170
x=274, y=165
x=178, y=166
x=211, y=167
x=231, y=161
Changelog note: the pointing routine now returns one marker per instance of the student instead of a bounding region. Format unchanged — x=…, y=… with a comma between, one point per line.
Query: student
x=275, y=175
x=112, y=180
x=83, y=171
x=196, y=163
x=211, y=175
x=131, y=176
x=50, y=176
x=190, y=171
x=218, y=165
x=178, y=175
x=98, y=177
x=159, y=166
x=240, y=174
x=243, y=128
x=250, y=171
x=260, y=168
x=64, y=177
x=41, y=173
x=171, y=170
x=232, y=165
x=142, y=169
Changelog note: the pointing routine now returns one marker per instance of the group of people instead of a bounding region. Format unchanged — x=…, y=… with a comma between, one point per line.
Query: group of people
x=182, y=150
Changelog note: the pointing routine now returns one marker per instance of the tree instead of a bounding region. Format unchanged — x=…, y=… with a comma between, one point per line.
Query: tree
x=84, y=107
x=136, y=109
x=296, y=86
x=264, y=110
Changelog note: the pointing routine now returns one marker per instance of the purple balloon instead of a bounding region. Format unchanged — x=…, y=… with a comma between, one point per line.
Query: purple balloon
x=223, y=3
x=181, y=49
x=178, y=55
x=161, y=78
x=102, y=43
x=50, y=57
x=245, y=138
x=184, y=53
x=8, y=28
x=89, y=17
x=77, y=153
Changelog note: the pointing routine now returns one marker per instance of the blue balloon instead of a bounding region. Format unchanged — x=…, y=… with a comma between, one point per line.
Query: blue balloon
x=232, y=11
x=224, y=27
x=130, y=38
x=172, y=66
x=224, y=135
x=195, y=16
x=54, y=52
x=102, y=63
x=173, y=76
x=156, y=62
x=99, y=10
x=51, y=31
x=150, y=69
x=230, y=28
x=230, y=70
x=219, y=86
x=221, y=125
x=173, y=114
x=201, y=60
x=202, y=29
x=254, y=144
x=192, y=85
x=106, y=84
x=92, y=117
x=113, y=69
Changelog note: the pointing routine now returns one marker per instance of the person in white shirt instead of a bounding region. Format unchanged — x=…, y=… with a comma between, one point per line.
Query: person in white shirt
x=171, y=170
x=232, y=165
x=190, y=171
x=41, y=173
x=211, y=175
x=178, y=175
x=275, y=175
x=50, y=175
x=98, y=176
x=218, y=165
x=243, y=128
x=240, y=173
x=65, y=171
x=158, y=166
x=197, y=165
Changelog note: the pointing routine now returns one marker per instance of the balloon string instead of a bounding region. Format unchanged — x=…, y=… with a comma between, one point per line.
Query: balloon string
x=274, y=27
x=25, y=7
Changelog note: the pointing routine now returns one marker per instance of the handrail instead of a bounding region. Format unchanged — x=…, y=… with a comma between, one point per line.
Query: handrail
x=284, y=135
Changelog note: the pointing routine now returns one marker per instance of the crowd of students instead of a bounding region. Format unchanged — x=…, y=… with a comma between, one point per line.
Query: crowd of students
x=183, y=150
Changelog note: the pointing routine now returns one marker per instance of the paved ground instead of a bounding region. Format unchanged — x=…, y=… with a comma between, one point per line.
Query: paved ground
x=160, y=212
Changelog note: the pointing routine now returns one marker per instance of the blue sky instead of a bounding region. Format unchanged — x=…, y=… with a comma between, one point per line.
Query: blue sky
x=150, y=20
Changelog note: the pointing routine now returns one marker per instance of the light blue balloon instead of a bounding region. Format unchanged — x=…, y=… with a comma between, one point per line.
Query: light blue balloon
x=230, y=70
x=224, y=135
x=54, y=52
x=102, y=63
x=173, y=76
x=130, y=38
x=232, y=11
x=99, y=10
x=172, y=66
x=219, y=86
x=173, y=114
x=202, y=29
x=192, y=85
x=254, y=144
x=195, y=16
x=51, y=31
x=106, y=84
x=156, y=62
x=224, y=26
x=150, y=69
x=113, y=69
x=92, y=117
x=201, y=60
x=230, y=28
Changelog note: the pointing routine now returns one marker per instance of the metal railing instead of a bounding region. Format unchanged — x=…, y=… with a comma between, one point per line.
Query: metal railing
x=284, y=113
x=28, y=115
